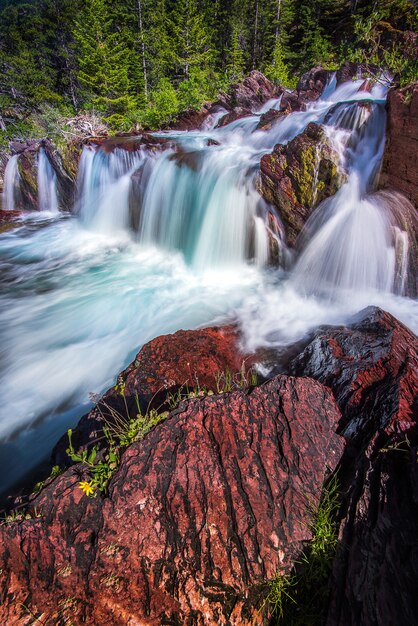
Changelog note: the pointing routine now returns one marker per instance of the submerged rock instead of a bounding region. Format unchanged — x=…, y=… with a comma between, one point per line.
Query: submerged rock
x=297, y=176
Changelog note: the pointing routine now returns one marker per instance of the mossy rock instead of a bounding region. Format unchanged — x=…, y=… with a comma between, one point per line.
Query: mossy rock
x=296, y=177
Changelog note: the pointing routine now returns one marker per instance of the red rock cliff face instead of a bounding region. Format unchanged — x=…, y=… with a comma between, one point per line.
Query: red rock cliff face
x=213, y=501
x=400, y=163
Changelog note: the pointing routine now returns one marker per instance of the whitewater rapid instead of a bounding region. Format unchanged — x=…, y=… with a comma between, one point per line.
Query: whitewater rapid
x=180, y=239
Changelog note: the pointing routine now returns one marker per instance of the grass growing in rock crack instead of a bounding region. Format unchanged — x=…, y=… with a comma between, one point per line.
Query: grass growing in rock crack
x=121, y=430
x=299, y=597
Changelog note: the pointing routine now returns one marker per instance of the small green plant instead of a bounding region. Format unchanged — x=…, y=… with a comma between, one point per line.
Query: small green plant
x=100, y=471
x=20, y=515
x=399, y=446
x=280, y=593
x=56, y=471
x=119, y=431
x=299, y=598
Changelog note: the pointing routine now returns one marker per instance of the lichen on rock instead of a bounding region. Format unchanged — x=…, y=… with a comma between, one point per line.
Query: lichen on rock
x=297, y=176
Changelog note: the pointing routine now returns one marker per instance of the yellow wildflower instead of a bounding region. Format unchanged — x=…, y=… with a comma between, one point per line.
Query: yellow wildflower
x=87, y=488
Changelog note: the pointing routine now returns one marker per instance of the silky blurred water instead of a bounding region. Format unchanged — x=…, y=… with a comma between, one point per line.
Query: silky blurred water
x=180, y=239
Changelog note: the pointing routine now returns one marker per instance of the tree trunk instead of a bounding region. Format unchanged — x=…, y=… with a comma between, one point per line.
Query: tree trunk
x=279, y=7
x=255, y=34
x=144, y=65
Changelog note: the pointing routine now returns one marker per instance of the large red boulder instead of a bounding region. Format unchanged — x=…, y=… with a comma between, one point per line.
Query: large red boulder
x=251, y=93
x=188, y=360
x=372, y=368
x=210, y=503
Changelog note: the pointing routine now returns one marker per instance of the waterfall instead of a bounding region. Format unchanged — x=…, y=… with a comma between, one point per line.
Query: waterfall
x=355, y=240
x=11, y=182
x=104, y=184
x=168, y=231
x=47, y=184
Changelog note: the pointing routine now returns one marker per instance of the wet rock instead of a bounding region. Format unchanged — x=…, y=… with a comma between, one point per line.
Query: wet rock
x=268, y=119
x=190, y=119
x=251, y=93
x=192, y=160
x=292, y=101
x=400, y=161
x=314, y=81
x=296, y=177
x=236, y=114
x=65, y=169
x=348, y=71
x=8, y=220
x=133, y=143
x=372, y=368
x=208, y=505
x=4, y=157
x=187, y=360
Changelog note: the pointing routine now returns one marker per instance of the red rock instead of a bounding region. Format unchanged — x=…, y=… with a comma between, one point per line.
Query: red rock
x=8, y=219
x=132, y=143
x=254, y=91
x=314, y=82
x=190, y=119
x=372, y=368
x=188, y=360
x=236, y=114
x=268, y=119
x=400, y=161
x=289, y=178
x=212, y=502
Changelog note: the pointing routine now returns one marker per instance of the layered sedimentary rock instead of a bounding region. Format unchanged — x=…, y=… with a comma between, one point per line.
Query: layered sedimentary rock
x=297, y=176
x=372, y=368
x=219, y=497
x=400, y=162
x=212, y=502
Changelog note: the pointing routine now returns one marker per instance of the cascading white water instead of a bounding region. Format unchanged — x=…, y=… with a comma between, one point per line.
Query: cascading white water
x=47, y=184
x=11, y=182
x=350, y=240
x=176, y=236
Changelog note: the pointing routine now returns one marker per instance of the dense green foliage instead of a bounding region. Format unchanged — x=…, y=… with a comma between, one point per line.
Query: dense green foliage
x=142, y=61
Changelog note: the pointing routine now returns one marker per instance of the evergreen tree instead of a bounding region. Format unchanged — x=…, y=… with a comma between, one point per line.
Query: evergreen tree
x=192, y=39
x=235, y=55
x=278, y=71
x=103, y=62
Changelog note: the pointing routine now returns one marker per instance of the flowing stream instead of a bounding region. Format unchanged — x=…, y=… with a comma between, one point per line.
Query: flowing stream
x=163, y=239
